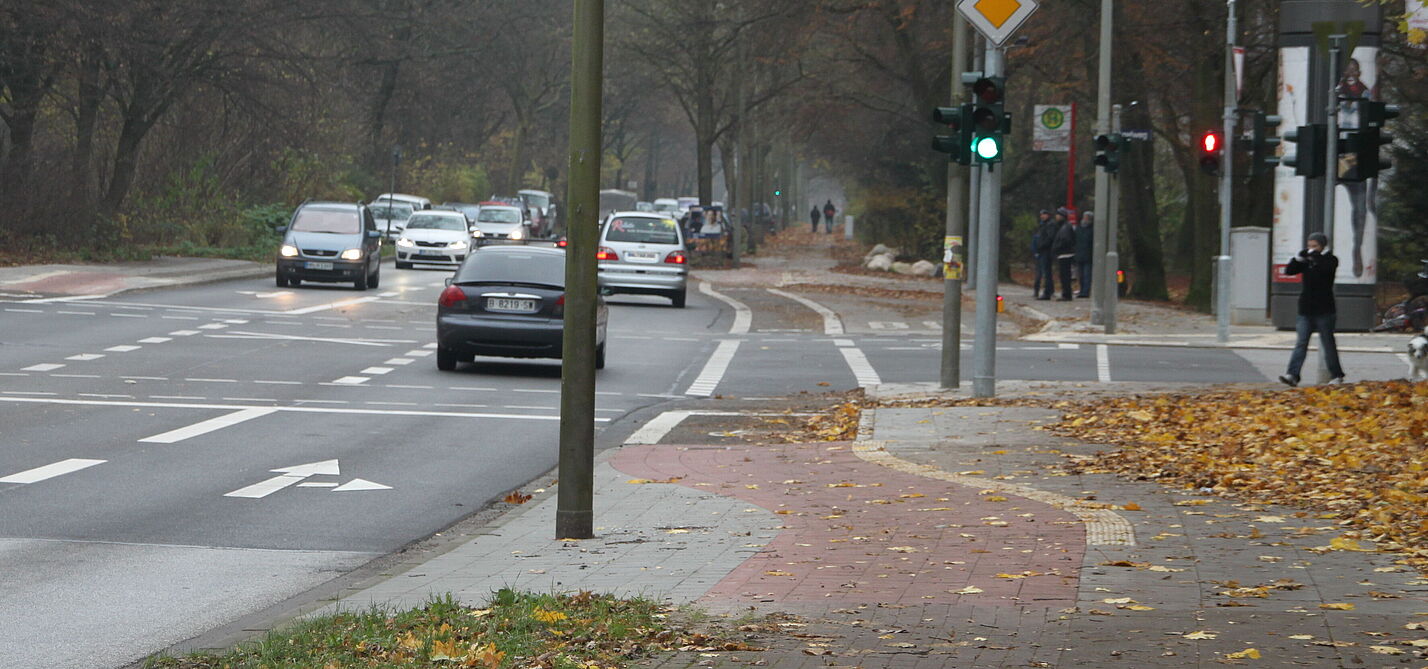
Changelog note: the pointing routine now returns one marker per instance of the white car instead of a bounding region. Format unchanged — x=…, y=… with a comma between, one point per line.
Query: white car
x=436, y=237
x=391, y=216
x=669, y=207
x=499, y=223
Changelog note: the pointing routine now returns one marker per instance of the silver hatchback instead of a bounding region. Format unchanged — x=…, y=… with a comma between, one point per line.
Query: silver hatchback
x=643, y=253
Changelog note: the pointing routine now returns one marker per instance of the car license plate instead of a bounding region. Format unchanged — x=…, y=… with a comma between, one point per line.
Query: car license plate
x=431, y=253
x=507, y=304
x=318, y=265
x=641, y=256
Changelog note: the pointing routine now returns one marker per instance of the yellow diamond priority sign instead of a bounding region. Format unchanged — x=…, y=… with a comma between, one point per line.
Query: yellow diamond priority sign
x=996, y=19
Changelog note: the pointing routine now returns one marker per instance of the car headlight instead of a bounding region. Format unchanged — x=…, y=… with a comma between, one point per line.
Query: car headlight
x=404, y=242
x=288, y=251
x=352, y=254
x=457, y=244
x=476, y=233
x=517, y=234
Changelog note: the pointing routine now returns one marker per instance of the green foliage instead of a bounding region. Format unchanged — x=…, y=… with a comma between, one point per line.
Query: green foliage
x=1402, y=202
x=305, y=174
x=1023, y=226
x=445, y=182
x=909, y=219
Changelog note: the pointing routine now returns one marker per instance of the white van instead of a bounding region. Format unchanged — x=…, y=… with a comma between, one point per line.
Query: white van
x=417, y=202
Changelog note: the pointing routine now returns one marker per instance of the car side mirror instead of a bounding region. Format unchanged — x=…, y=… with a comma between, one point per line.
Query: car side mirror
x=448, y=281
x=606, y=292
x=374, y=234
x=281, y=229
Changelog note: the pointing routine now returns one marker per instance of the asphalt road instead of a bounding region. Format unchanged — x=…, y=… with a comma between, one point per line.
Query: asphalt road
x=172, y=460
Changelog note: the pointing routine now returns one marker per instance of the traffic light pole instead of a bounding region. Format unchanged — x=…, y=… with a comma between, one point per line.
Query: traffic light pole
x=984, y=382
x=1110, y=218
x=1227, y=186
x=974, y=195
x=951, y=376
x=574, y=515
x=1103, y=126
x=1331, y=158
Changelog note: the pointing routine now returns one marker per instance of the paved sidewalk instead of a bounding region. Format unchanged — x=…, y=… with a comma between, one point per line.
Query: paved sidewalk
x=60, y=281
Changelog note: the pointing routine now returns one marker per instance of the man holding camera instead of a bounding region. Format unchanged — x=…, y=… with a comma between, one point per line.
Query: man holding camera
x=1316, y=308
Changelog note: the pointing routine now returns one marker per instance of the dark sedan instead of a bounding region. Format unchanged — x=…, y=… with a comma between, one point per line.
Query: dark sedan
x=508, y=301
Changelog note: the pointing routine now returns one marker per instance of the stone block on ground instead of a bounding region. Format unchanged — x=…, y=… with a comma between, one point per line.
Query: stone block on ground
x=924, y=268
x=881, y=263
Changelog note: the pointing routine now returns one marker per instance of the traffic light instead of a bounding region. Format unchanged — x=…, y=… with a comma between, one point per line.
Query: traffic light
x=990, y=122
x=959, y=143
x=1109, y=149
x=1362, y=145
x=1212, y=150
x=1262, y=143
x=1308, y=159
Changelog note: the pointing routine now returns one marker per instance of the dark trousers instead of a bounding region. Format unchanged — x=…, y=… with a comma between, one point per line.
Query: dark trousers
x=1083, y=273
x=1063, y=267
x=1047, y=263
x=1041, y=275
x=1306, y=326
x=815, y=225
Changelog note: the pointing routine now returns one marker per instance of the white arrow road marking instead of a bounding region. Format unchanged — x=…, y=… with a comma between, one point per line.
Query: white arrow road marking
x=235, y=334
x=318, y=484
x=360, y=484
x=51, y=470
x=210, y=425
x=286, y=476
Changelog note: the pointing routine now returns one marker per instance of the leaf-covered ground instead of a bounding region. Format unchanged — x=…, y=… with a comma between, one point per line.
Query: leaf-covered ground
x=580, y=631
x=1357, y=453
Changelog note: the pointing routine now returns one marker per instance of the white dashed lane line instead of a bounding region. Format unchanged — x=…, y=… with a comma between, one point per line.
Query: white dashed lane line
x=42, y=367
x=376, y=371
x=123, y=348
x=85, y=357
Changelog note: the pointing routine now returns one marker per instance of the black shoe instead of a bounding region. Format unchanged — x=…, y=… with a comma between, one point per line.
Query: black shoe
x=1288, y=380
x=1042, y=298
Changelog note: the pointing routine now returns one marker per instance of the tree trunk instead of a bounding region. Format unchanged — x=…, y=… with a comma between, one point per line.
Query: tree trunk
x=377, y=115
x=126, y=162
x=86, y=118
x=517, y=170
x=1138, y=216
x=1202, y=212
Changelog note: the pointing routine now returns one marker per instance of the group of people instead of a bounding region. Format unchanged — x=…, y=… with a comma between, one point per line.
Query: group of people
x=1062, y=243
x=827, y=213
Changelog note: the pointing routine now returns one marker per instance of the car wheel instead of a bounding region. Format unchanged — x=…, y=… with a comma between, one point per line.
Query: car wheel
x=678, y=299
x=403, y=265
x=361, y=282
x=445, y=359
x=600, y=357
x=282, y=283
x=376, y=278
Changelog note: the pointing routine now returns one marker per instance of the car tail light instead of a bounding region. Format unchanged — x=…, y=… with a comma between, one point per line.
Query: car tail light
x=452, y=296
x=606, y=253
x=562, y=243
x=559, y=310
x=676, y=258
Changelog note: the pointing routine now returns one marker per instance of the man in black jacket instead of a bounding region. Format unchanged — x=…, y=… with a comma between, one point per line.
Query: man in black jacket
x=1045, y=261
x=1316, y=308
x=1085, y=247
x=1063, y=248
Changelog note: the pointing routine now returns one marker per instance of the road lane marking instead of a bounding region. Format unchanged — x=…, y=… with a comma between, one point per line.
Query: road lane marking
x=714, y=369
x=28, y=311
x=26, y=392
x=291, y=409
x=71, y=298
x=862, y=369
x=212, y=326
x=318, y=484
x=743, y=316
x=85, y=357
x=181, y=318
x=176, y=397
x=659, y=426
x=286, y=476
x=351, y=380
x=76, y=376
x=479, y=390
x=535, y=390
x=888, y=325
x=932, y=325
x=202, y=380
x=183, y=333
x=204, y=427
x=42, y=367
x=154, y=340
x=1103, y=363
x=146, y=378
x=1069, y=347
x=75, y=313
x=831, y=324
x=393, y=385
x=104, y=395
x=417, y=353
x=51, y=470
x=235, y=334
x=399, y=361
x=360, y=484
x=280, y=383
x=331, y=305
x=376, y=371
x=843, y=342
x=121, y=314
x=123, y=348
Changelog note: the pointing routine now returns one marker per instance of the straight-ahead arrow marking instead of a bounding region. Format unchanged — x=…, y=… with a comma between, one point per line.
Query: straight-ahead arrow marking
x=287, y=476
x=360, y=484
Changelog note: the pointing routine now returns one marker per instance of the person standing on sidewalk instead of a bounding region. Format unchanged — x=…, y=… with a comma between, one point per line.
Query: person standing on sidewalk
x=828, y=211
x=1040, y=276
x=1063, y=247
x=1317, y=312
x=1085, y=243
x=813, y=216
x=1046, y=262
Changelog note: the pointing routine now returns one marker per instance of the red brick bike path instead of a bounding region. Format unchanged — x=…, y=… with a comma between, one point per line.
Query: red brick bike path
x=854, y=532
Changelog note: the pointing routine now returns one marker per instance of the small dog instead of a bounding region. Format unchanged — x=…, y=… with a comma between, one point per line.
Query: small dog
x=1418, y=356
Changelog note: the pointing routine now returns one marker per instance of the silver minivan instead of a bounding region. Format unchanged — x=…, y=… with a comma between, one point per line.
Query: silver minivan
x=642, y=253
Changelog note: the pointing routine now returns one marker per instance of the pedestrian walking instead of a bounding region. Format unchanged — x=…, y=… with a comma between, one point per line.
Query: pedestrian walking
x=1064, y=248
x=813, y=216
x=1085, y=244
x=1045, y=239
x=828, y=211
x=1039, y=274
x=1317, y=312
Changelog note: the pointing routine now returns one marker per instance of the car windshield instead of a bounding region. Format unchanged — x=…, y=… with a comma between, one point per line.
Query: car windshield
x=344, y=222
x=643, y=231
x=433, y=222
x=537, y=201
x=395, y=211
x=666, y=206
x=499, y=216
x=544, y=269
x=470, y=210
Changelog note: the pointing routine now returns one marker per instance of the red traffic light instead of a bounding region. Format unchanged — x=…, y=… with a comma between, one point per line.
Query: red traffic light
x=1210, y=142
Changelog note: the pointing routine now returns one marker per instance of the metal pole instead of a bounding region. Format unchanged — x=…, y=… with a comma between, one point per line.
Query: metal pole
x=391, y=194
x=574, y=515
x=1110, y=220
x=1071, y=161
x=1227, y=185
x=974, y=182
x=1103, y=186
x=1331, y=159
x=951, y=376
x=984, y=382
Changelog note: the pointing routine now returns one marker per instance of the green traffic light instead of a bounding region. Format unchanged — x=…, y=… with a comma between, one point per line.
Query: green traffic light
x=987, y=148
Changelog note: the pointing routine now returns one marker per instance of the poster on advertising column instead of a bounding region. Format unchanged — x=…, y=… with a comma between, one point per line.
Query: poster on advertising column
x=1052, y=129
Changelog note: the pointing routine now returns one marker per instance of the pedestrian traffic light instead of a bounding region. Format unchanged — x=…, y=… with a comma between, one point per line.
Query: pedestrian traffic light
x=1308, y=158
x=1362, y=145
x=990, y=122
x=959, y=143
x=1263, y=142
x=1212, y=150
x=1109, y=149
